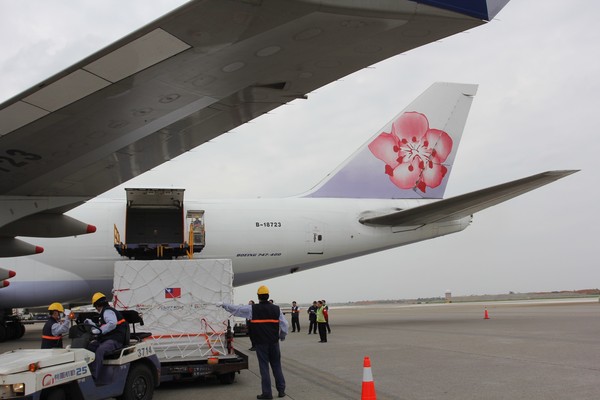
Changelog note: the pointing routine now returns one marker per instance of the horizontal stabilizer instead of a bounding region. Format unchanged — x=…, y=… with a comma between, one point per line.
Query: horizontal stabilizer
x=464, y=205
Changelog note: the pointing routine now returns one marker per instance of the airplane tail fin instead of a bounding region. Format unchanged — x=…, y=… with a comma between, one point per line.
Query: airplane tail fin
x=412, y=156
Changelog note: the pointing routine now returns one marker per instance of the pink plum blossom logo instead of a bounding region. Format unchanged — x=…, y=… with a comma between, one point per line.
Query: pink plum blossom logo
x=413, y=153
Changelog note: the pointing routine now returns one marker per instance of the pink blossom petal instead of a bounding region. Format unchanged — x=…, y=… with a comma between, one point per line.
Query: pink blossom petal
x=406, y=175
x=410, y=126
x=413, y=154
x=383, y=148
x=433, y=174
x=440, y=142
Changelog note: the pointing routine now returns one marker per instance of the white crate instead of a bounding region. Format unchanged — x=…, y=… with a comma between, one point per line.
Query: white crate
x=176, y=299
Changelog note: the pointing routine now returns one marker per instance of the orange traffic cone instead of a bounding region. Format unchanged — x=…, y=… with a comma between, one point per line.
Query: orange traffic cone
x=368, y=386
x=485, y=314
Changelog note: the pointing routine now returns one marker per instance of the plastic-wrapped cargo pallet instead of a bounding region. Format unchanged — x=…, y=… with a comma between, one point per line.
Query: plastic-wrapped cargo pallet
x=176, y=299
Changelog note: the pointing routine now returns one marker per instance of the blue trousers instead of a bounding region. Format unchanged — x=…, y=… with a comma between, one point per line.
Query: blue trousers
x=101, y=348
x=270, y=354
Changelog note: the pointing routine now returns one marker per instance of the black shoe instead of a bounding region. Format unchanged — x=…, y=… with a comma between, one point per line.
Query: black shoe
x=264, y=396
x=281, y=394
x=252, y=348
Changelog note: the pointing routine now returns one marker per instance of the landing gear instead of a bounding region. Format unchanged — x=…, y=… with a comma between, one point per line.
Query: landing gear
x=11, y=327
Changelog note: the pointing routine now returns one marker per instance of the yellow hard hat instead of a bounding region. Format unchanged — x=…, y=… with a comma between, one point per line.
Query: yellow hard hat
x=263, y=290
x=56, y=307
x=97, y=296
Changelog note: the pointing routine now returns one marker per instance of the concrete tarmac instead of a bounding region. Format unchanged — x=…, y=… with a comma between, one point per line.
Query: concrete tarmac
x=537, y=350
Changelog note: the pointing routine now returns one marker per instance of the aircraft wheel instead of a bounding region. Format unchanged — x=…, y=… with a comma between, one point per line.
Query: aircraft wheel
x=139, y=384
x=11, y=332
x=15, y=329
x=20, y=331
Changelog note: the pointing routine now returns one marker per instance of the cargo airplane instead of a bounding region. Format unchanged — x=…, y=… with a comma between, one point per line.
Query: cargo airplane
x=191, y=76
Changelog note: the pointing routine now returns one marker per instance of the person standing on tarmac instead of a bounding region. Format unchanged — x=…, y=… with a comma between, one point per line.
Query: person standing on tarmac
x=322, y=322
x=326, y=315
x=110, y=335
x=295, y=317
x=54, y=328
x=268, y=327
x=312, y=318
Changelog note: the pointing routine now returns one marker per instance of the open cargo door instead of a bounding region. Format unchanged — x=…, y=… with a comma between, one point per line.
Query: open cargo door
x=154, y=225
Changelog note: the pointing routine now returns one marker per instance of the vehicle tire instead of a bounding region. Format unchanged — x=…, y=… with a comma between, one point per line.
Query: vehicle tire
x=2, y=332
x=139, y=384
x=227, y=379
x=56, y=393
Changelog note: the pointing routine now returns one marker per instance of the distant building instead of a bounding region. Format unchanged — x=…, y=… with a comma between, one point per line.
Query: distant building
x=448, y=296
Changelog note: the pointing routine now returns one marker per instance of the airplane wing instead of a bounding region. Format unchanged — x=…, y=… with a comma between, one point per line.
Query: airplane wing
x=186, y=78
x=467, y=204
x=190, y=76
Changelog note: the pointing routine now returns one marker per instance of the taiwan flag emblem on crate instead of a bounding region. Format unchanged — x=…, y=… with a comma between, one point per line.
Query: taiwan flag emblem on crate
x=172, y=293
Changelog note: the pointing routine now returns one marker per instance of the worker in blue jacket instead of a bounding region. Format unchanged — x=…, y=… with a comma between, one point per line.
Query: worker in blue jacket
x=110, y=335
x=268, y=327
x=54, y=328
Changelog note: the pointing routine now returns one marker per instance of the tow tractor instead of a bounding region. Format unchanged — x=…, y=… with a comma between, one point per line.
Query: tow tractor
x=188, y=337
x=60, y=374
x=191, y=366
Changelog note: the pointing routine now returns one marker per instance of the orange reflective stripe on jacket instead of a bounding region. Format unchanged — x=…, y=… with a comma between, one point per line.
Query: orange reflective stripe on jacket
x=262, y=321
x=118, y=322
x=51, y=337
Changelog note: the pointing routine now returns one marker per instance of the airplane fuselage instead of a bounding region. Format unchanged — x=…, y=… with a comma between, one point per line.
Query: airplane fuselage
x=264, y=238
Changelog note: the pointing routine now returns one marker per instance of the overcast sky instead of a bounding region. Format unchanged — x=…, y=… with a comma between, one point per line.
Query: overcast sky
x=536, y=110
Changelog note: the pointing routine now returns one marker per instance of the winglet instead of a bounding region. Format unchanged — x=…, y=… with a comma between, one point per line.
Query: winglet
x=482, y=9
